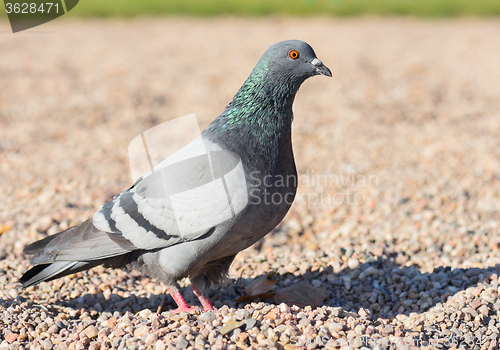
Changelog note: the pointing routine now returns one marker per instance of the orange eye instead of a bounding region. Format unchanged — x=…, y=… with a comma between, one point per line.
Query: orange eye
x=294, y=54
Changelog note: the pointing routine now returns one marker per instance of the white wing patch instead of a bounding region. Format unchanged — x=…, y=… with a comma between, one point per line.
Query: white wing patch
x=180, y=205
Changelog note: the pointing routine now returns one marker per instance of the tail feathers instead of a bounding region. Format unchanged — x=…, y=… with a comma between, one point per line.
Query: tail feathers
x=49, y=272
x=76, y=249
x=83, y=242
x=34, y=247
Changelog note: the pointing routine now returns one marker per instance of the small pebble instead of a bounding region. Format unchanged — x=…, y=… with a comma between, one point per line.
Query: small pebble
x=353, y=263
x=208, y=316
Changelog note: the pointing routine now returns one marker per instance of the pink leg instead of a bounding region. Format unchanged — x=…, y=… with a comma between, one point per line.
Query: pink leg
x=203, y=299
x=181, y=303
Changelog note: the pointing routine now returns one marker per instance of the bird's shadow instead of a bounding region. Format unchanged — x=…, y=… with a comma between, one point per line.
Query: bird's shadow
x=382, y=286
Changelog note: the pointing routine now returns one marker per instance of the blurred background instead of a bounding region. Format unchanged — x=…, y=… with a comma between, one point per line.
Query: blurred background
x=413, y=108
x=426, y=8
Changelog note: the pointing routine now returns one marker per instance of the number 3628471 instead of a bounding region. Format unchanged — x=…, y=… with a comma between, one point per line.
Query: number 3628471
x=32, y=7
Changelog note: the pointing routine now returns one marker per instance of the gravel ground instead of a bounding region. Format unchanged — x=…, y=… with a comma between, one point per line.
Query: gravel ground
x=392, y=242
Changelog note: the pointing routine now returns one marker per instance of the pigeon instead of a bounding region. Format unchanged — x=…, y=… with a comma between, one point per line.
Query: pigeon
x=193, y=212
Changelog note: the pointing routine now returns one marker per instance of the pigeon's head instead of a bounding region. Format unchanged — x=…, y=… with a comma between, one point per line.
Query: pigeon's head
x=294, y=59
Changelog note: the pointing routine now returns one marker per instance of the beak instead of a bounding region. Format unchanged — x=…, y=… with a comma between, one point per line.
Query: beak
x=321, y=68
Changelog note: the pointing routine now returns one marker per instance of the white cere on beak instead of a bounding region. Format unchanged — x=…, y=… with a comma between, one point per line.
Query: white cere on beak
x=315, y=62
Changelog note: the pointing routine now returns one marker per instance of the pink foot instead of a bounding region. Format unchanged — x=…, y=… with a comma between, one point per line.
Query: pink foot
x=203, y=299
x=185, y=309
x=181, y=303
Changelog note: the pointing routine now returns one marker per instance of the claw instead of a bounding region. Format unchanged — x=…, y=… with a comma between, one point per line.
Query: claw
x=181, y=303
x=185, y=309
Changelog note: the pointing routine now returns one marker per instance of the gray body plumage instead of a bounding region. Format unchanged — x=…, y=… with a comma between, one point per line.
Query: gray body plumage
x=172, y=235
